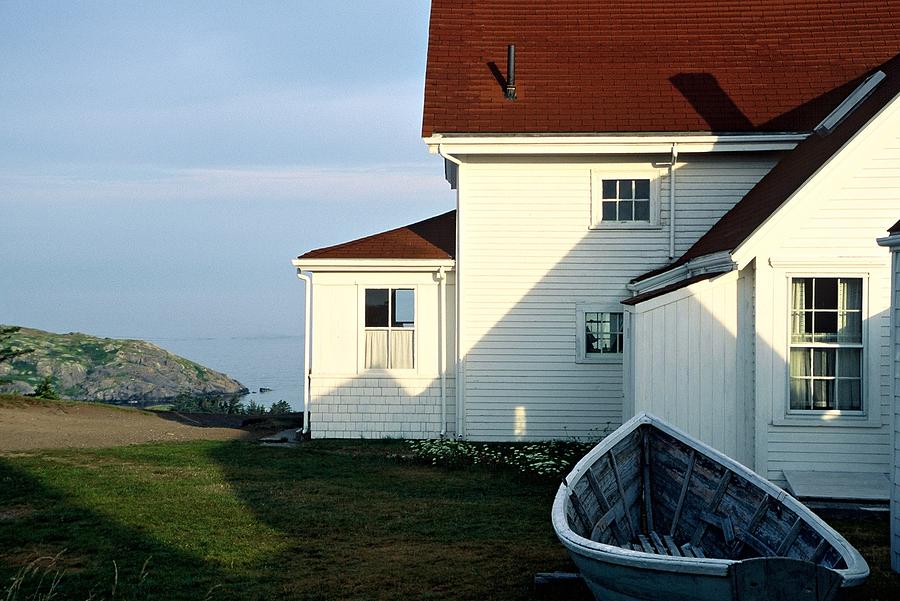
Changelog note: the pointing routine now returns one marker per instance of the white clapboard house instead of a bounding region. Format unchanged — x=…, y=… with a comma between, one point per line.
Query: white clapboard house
x=663, y=210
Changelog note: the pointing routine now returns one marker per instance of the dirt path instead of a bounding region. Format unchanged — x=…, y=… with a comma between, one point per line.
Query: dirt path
x=29, y=425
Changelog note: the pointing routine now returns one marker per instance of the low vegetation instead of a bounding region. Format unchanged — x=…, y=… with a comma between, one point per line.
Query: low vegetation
x=228, y=405
x=542, y=459
x=324, y=520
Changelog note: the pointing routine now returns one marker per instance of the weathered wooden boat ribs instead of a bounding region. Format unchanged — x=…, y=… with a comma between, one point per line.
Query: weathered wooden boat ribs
x=611, y=515
x=614, y=466
x=746, y=535
x=709, y=514
x=645, y=472
x=684, y=489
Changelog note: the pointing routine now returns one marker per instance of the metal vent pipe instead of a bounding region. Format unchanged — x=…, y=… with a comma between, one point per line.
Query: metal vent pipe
x=511, y=72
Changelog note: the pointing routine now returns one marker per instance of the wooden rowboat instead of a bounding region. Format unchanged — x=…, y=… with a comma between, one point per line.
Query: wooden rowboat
x=652, y=513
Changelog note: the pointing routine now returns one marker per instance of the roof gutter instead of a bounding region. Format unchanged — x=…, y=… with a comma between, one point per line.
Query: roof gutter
x=720, y=262
x=459, y=367
x=442, y=345
x=369, y=265
x=671, y=166
x=892, y=241
x=607, y=143
x=307, y=346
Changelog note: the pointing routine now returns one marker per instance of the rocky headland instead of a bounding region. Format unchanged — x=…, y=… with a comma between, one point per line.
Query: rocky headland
x=106, y=369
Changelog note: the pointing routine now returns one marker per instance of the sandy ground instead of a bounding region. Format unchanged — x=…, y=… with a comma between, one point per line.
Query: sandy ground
x=25, y=427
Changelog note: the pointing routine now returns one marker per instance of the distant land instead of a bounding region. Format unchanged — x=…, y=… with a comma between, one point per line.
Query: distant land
x=106, y=369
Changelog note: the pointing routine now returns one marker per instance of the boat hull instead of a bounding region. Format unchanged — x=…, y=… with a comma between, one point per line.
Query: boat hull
x=619, y=572
x=613, y=582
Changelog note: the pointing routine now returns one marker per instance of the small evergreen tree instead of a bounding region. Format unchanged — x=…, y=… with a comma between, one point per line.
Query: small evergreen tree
x=280, y=408
x=255, y=408
x=45, y=390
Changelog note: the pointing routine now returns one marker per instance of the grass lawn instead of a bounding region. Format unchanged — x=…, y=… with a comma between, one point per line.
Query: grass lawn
x=326, y=520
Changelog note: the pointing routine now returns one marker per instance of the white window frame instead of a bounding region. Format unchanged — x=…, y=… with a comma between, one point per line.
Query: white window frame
x=597, y=177
x=828, y=345
x=362, y=329
x=581, y=356
x=870, y=415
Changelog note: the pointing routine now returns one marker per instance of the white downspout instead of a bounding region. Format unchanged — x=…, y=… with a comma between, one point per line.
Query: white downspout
x=460, y=369
x=307, y=346
x=442, y=345
x=672, y=200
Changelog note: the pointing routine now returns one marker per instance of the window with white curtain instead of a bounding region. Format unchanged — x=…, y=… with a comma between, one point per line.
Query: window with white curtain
x=390, y=328
x=826, y=344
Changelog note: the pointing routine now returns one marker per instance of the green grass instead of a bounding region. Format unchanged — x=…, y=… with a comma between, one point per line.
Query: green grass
x=325, y=520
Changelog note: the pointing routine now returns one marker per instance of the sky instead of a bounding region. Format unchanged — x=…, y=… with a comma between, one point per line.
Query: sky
x=161, y=163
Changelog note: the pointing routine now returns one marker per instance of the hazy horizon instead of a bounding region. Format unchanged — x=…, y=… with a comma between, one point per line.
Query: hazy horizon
x=160, y=165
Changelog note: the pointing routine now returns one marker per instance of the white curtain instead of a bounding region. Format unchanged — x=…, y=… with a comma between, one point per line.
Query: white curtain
x=798, y=304
x=850, y=310
x=376, y=349
x=402, y=345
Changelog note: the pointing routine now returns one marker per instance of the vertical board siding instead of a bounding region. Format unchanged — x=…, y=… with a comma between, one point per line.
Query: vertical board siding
x=695, y=337
x=528, y=257
x=843, y=226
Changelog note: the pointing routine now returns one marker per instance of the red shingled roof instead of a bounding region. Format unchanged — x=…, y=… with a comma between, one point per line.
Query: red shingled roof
x=433, y=238
x=788, y=175
x=637, y=66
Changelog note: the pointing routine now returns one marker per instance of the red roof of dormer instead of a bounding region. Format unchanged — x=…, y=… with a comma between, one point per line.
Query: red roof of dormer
x=433, y=238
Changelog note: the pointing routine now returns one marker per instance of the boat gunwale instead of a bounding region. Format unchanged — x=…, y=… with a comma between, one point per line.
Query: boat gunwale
x=855, y=573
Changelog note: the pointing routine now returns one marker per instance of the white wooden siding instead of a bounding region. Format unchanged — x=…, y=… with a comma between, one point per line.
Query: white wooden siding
x=349, y=402
x=527, y=257
x=833, y=233
x=689, y=363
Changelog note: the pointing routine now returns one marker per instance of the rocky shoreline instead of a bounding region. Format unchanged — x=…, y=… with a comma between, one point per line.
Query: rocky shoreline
x=86, y=367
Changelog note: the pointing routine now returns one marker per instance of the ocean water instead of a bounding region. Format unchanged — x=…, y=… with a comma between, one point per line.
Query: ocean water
x=274, y=362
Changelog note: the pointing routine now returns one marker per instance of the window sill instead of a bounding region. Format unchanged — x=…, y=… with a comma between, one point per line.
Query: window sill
x=388, y=372
x=828, y=420
x=609, y=359
x=624, y=225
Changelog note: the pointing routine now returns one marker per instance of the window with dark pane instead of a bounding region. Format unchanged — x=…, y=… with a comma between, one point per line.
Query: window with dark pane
x=825, y=360
x=602, y=332
x=376, y=308
x=390, y=328
x=626, y=200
